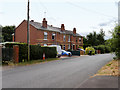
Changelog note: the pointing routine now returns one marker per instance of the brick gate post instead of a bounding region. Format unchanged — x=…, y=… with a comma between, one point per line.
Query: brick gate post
x=16, y=53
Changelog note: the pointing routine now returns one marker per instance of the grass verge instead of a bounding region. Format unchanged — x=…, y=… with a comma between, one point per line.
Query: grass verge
x=111, y=69
x=30, y=62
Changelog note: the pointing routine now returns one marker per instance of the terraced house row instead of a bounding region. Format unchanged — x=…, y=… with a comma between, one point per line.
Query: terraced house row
x=44, y=34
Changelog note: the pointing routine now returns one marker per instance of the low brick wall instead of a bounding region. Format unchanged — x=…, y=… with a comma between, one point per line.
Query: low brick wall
x=82, y=53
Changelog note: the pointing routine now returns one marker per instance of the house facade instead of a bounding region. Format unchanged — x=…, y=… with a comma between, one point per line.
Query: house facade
x=44, y=34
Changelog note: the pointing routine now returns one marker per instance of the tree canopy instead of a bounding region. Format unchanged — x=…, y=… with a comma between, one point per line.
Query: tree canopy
x=94, y=39
x=115, y=41
x=7, y=32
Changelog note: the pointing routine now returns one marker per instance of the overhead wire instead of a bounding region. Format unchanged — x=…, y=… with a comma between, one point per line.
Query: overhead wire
x=89, y=10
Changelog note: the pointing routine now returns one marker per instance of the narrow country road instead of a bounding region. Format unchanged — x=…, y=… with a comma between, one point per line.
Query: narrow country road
x=68, y=73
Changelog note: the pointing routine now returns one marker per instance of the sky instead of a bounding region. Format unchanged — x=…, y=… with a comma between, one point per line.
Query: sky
x=85, y=15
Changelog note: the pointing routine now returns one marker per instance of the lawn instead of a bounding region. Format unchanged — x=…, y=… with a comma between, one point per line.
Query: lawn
x=112, y=69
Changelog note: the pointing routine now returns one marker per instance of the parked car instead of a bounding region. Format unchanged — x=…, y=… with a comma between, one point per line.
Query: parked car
x=58, y=48
x=66, y=53
x=81, y=49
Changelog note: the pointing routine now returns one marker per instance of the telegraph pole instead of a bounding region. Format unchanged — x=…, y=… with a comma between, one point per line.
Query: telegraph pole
x=119, y=13
x=28, y=32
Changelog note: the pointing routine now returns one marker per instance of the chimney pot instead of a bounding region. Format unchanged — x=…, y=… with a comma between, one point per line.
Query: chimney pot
x=74, y=30
x=44, y=23
x=32, y=20
x=62, y=27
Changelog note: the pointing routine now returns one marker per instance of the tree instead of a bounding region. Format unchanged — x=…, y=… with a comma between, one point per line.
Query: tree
x=0, y=33
x=7, y=32
x=85, y=42
x=94, y=39
x=100, y=37
x=116, y=41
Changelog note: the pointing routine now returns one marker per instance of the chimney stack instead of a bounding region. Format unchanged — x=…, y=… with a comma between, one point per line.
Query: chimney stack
x=44, y=23
x=32, y=20
x=62, y=27
x=74, y=30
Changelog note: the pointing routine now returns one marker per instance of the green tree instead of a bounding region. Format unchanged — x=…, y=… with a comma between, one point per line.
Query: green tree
x=85, y=42
x=100, y=37
x=109, y=44
x=116, y=40
x=92, y=39
x=7, y=32
x=0, y=33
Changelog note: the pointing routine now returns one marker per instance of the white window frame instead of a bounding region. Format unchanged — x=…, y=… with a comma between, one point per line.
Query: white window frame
x=69, y=38
x=64, y=38
x=80, y=39
x=69, y=46
x=45, y=35
x=53, y=35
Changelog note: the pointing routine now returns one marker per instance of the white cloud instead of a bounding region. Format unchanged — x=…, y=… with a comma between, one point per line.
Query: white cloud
x=60, y=1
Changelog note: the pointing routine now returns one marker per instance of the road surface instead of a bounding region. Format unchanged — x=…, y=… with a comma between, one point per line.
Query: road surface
x=68, y=73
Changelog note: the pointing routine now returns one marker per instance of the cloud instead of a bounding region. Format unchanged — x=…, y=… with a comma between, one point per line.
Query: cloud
x=108, y=23
x=60, y=1
x=103, y=24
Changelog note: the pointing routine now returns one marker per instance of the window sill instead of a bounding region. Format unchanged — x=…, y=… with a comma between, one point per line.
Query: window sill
x=45, y=39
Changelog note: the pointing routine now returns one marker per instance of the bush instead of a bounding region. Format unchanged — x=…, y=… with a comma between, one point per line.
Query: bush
x=50, y=52
x=103, y=48
x=116, y=40
x=23, y=50
x=88, y=49
x=69, y=50
x=36, y=51
x=107, y=49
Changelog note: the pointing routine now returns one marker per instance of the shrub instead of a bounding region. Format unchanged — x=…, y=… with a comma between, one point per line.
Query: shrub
x=50, y=52
x=36, y=51
x=81, y=47
x=69, y=50
x=103, y=48
x=88, y=49
x=107, y=49
x=23, y=50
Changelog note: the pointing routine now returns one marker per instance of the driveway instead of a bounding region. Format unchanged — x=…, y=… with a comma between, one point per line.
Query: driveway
x=67, y=73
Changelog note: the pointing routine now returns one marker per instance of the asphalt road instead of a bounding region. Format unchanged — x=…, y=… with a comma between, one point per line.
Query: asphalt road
x=68, y=73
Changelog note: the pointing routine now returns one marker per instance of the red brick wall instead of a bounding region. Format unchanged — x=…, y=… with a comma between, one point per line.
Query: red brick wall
x=21, y=32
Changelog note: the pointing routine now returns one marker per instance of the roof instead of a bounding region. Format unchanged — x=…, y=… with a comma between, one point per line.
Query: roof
x=38, y=26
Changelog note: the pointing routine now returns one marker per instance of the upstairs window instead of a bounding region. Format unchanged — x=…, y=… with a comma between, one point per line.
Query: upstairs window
x=64, y=38
x=76, y=40
x=80, y=39
x=69, y=38
x=45, y=35
x=53, y=36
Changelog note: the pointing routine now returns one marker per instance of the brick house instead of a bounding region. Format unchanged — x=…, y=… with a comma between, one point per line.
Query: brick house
x=44, y=34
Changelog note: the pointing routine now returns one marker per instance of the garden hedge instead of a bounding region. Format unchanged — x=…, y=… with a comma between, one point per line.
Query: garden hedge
x=36, y=51
x=103, y=48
